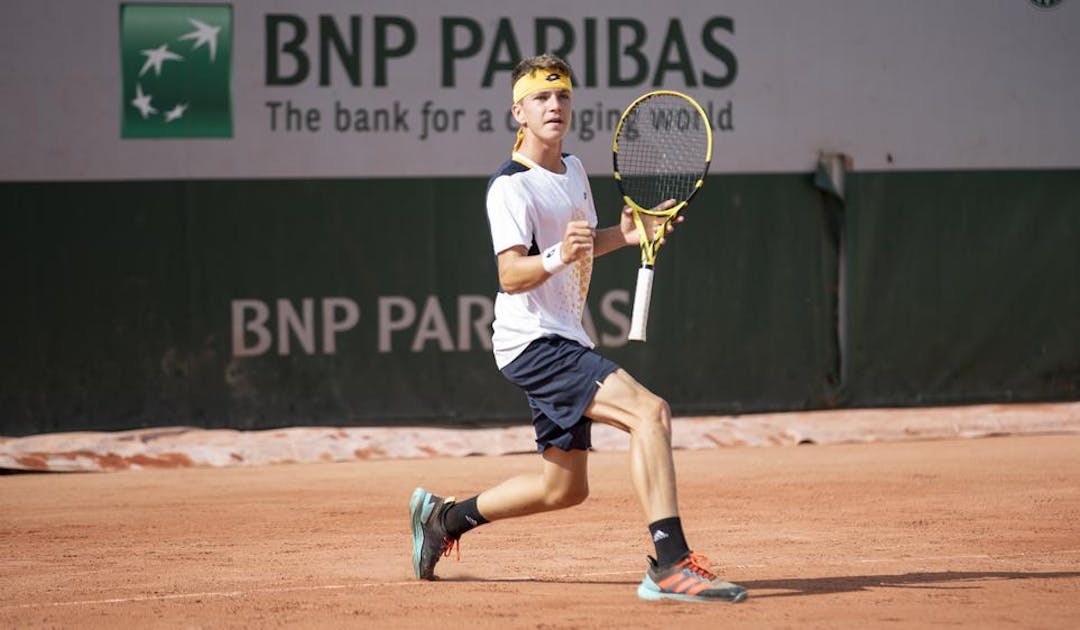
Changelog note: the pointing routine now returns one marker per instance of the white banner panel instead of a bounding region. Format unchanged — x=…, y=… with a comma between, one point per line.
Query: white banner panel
x=95, y=89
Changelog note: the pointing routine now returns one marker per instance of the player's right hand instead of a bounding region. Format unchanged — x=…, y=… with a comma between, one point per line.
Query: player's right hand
x=577, y=241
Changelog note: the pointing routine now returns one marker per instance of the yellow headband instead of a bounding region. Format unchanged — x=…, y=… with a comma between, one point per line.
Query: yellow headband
x=537, y=80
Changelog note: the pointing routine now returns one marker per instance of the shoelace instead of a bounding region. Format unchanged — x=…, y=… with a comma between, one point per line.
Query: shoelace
x=697, y=562
x=450, y=544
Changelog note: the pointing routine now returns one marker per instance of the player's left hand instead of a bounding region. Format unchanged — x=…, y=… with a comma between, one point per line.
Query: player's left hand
x=651, y=223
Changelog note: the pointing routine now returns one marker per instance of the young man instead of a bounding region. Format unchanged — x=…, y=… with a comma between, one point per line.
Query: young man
x=542, y=219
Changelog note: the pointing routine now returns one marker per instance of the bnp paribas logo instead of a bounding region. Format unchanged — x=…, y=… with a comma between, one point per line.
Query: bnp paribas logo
x=176, y=62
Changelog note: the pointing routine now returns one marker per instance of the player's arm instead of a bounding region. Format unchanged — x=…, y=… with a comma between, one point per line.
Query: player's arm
x=519, y=272
x=616, y=237
x=625, y=233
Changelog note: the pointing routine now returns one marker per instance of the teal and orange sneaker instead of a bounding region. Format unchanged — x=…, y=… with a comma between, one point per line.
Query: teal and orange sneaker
x=687, y=580
x=430, y=540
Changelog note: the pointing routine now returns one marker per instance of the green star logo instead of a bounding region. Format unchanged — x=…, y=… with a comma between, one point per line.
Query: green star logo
x=176, y=62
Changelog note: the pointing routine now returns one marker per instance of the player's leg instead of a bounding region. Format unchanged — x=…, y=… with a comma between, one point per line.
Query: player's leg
x=676, y=573
x=438, y=523
x=559, y=378
x=563, y=483
x=624, y=403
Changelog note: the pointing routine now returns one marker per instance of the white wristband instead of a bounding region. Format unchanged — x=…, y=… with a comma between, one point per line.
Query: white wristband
x=552, y=259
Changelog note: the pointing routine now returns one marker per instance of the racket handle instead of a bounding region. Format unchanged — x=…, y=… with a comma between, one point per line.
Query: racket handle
x=639, y=319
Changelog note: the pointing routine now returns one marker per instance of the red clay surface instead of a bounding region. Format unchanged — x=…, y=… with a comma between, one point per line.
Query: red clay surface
x=975, y=533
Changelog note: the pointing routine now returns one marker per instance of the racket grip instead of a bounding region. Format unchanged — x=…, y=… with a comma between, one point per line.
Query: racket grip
x=639, y=319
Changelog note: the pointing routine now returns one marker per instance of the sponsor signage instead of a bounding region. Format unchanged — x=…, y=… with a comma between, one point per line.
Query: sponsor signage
x=338, y=89
x=176, y=66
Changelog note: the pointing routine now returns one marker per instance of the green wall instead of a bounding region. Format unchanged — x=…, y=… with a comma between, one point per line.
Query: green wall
x=963, y=286
x=957, y=287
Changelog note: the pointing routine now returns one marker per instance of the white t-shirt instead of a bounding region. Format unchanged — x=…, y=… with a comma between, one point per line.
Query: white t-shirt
x=529, y=205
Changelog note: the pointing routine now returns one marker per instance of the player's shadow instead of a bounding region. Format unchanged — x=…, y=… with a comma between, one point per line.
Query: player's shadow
x=941, y=580
x=792, y=587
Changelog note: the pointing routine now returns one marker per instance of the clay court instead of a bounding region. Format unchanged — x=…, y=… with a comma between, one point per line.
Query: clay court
x=973, y=532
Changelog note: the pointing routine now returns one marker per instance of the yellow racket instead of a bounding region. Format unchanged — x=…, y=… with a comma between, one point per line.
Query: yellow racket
x=661, y=152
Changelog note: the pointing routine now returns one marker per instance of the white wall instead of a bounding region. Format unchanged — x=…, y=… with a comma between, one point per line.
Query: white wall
x=920, y=84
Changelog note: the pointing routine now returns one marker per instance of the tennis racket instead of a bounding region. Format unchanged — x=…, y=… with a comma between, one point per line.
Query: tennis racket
x=661, y=152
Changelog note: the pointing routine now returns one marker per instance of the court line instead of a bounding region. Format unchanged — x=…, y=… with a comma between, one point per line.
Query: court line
x=211, y=594
x=514, y=578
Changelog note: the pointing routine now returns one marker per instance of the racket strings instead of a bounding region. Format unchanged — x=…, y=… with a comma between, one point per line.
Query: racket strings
x=662, y=151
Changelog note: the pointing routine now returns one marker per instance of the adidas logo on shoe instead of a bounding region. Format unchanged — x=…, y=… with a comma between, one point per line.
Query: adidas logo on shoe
x=659, y=535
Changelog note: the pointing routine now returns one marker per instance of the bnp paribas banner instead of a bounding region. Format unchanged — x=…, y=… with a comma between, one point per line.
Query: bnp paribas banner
x=100, y=89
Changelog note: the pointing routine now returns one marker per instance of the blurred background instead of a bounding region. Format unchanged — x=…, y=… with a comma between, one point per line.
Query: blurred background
x=266, y=214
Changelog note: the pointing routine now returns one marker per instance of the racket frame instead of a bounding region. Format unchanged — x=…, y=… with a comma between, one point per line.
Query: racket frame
x=651, y=246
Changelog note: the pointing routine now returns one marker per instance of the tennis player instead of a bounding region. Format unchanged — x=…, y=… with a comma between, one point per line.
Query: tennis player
x=543, y=228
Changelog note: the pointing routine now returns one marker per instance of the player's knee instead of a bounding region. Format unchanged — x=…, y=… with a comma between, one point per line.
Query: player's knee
x=575, y=496
x=665, y=416
x=565, y=496
x=655, y=415
x=663, y=413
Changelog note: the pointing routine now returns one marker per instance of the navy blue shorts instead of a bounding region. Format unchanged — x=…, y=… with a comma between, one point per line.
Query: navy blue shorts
x=560, y=378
